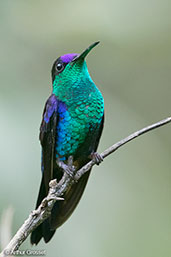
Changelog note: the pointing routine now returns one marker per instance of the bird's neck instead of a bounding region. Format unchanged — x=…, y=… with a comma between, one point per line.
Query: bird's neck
x=73, y=81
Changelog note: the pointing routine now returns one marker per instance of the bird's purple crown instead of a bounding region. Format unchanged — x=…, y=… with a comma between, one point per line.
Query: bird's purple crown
x=68, y=57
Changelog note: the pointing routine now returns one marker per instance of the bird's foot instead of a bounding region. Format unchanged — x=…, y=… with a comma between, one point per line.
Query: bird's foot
x=97, y=158
x=68, y=168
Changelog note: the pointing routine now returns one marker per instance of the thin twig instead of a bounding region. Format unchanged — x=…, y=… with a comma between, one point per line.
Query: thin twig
x=58, y=189
x=122, y=142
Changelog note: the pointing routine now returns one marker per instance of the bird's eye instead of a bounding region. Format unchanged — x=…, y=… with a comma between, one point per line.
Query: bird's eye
x=59, y=67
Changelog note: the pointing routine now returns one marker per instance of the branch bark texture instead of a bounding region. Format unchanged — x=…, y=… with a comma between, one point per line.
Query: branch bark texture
x=56, y=191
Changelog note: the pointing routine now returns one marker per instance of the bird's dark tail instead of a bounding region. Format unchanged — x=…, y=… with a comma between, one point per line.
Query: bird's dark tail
x=61, y=210
x=43, y=230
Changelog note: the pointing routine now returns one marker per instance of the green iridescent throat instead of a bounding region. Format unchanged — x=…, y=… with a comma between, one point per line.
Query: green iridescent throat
x=74, y=74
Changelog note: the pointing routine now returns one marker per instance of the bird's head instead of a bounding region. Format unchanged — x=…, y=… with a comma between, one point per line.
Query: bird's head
x=70, y=68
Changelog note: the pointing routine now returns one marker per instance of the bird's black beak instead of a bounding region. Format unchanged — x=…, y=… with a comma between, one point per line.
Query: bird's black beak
x=85, y=52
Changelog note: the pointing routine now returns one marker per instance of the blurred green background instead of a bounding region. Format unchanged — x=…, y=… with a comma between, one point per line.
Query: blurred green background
x=126, y=208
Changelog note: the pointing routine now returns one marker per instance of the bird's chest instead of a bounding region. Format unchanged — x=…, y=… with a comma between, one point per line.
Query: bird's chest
x=75, y=122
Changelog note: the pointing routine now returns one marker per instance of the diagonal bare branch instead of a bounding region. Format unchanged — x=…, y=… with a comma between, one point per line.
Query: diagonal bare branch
x=58, y=189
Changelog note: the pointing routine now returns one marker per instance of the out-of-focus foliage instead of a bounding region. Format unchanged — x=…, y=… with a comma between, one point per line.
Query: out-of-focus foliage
x=126, y=207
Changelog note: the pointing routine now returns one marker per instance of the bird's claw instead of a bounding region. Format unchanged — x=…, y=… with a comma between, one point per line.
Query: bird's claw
x=68, y=169
x=97, y=158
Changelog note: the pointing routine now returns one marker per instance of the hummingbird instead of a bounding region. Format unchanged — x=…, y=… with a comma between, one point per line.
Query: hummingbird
x=71, y=127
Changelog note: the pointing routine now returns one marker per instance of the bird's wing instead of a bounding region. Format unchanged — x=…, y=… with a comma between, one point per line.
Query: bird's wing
x=47, y=138
x=62, y=209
